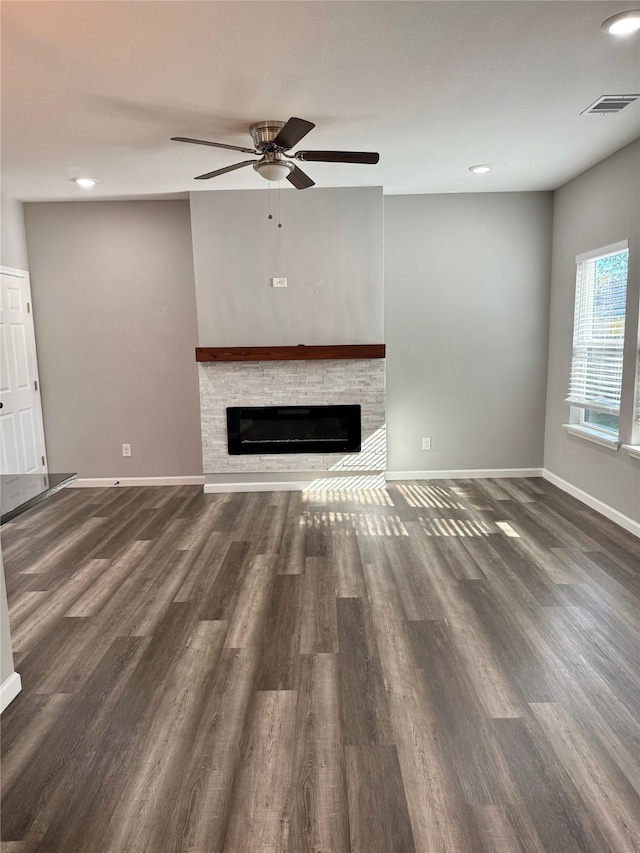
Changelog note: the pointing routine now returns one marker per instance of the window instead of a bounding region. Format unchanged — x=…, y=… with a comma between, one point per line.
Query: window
x=598, y=337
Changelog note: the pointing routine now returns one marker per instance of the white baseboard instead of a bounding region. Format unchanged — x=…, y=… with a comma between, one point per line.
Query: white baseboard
x=599, y=506
x=9, y=689
x=464, y=474
x=275, y=486
x=304, y=481
x=100, y=482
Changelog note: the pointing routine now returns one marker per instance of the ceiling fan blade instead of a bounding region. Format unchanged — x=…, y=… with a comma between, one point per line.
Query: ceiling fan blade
x=213, y=144
x=293, y=131
x=299, y=180
x=338, y=156
x=217, y=172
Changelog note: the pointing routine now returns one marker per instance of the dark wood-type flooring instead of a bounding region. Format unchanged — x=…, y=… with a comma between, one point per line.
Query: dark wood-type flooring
x=441, y=667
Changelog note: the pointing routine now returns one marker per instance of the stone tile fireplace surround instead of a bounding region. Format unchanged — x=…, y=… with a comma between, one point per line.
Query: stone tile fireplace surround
x=294, y=383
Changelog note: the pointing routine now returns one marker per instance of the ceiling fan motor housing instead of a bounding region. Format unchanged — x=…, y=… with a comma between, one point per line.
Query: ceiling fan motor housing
x=264, y=132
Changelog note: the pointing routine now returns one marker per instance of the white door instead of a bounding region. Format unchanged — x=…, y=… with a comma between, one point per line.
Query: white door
x=21, y=430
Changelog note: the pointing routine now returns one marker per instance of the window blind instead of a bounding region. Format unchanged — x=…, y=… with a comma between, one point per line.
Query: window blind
x=598, y=330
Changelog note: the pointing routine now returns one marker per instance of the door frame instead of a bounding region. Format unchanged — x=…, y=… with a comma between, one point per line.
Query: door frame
x=24, y=274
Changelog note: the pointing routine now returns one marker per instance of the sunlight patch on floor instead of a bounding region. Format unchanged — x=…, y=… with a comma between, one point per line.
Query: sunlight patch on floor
x=362, y=522
x=333, y=486
x=430, y=497
x=507, y=529
x=459, y=527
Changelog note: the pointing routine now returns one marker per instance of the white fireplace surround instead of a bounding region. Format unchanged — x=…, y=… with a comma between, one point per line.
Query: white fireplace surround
x=292, y=383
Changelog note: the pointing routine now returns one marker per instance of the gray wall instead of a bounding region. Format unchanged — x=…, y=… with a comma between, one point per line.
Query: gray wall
x=597, y=208
x=114, y=310
x=13, y=244
x=466, y=313
x=329, y=248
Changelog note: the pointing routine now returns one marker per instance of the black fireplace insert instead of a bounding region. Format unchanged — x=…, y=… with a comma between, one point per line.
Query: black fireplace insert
x=294, y=429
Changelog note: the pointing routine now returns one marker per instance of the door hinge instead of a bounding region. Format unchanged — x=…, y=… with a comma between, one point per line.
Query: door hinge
x=28, y=308
x=43, y=460
x=36, y=384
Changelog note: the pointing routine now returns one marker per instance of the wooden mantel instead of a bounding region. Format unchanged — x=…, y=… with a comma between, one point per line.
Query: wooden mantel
x=299, y=353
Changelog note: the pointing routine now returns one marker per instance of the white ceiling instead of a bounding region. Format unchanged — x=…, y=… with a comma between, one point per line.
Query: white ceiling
x=98, y=89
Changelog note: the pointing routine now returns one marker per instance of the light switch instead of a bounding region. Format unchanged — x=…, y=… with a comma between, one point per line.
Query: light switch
x=278, y=282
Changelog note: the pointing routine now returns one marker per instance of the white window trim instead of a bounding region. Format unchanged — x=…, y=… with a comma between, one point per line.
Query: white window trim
x=578, y=427
x=597, y=437
x=632, y=450
x=605, y=250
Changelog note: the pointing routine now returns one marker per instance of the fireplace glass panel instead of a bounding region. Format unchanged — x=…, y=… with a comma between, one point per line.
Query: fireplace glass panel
x=294, y=429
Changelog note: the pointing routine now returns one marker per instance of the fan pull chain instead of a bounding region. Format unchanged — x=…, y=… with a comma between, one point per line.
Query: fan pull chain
x=270, y=214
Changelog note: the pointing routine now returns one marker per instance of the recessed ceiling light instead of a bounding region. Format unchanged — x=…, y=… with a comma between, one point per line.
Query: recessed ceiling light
x=85, y=183
x=623, y=23
x=482, y=169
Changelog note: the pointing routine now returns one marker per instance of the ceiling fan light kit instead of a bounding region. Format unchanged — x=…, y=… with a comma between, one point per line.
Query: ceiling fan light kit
x=272, y=141
x=273, y=167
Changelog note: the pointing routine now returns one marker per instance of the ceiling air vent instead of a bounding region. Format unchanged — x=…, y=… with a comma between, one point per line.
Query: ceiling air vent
x=610, y=104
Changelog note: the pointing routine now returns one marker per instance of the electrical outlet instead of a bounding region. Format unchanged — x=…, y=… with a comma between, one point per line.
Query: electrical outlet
x=278, y=282
x=426, y=444
x=126, y=450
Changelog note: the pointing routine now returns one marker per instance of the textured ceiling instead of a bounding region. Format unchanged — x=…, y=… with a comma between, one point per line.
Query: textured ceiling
x=98, y=88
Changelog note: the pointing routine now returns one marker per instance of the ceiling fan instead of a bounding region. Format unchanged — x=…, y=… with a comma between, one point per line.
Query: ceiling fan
x=272, y=139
